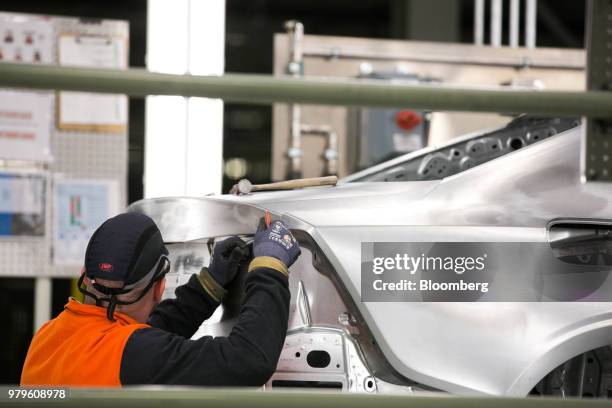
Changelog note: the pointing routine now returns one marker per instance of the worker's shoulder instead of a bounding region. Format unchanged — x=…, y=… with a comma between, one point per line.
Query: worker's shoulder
x=58, y=323
x=46, y=325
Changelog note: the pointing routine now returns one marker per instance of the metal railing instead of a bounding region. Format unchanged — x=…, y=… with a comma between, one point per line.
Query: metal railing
x=240, y=398
x=321, y=91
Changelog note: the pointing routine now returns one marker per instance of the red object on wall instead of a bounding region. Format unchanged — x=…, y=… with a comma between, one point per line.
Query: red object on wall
x=407, y=120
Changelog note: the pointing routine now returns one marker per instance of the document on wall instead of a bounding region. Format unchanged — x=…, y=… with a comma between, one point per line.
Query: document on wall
x=92, y=111
x=22, y=204
x=80, y=207
x=25, y=117
x=25, y=40
x=25, y=125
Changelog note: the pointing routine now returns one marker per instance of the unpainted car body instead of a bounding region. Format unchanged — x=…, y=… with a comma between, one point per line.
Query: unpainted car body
x=498, y=348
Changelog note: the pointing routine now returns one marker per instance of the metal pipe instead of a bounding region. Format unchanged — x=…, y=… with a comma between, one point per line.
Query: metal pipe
x=331, y=153
x=531, y=23
x=515, y=11
x=479, y=22
x=294, y=152
x=42, y=301
x=264, y=89
x=496, y=23
x=331, y=150
x=295, y=68
x=514, y=61
x=187, y=397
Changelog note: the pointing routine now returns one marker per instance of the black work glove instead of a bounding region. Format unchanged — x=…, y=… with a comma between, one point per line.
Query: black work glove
x=226, y=258
x=277, y=242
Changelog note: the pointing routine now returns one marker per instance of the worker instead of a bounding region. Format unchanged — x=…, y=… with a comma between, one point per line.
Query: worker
x=123, y=334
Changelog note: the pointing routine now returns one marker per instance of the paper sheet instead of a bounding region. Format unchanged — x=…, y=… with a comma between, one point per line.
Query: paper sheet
x=25, y=125
x=22, y=204
x=80, y=207
x=26, y=41
x=90, y=111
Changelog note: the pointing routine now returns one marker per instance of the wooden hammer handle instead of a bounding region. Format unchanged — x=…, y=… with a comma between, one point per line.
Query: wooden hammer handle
x=297, y=183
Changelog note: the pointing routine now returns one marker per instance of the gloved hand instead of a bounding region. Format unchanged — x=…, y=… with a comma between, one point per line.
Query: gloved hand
x=277, y=242
x=226, y=258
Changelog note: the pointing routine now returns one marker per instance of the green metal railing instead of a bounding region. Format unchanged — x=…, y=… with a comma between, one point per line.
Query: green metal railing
x=241, y=398
x=268, y=89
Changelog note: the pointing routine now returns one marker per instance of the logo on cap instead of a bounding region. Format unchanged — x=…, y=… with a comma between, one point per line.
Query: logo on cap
x=105, y=267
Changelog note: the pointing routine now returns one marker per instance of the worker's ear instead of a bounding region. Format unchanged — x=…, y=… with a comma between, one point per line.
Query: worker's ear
x=159, y=289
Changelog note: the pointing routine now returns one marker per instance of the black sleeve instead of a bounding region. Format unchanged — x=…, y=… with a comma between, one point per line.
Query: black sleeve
x=185, y=314
x=247, y=357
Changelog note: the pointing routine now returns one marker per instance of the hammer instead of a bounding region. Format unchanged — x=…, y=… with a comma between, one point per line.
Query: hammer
x=244, y=186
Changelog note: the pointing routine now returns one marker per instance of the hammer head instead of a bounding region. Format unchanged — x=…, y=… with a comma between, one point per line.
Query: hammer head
x=244, y=186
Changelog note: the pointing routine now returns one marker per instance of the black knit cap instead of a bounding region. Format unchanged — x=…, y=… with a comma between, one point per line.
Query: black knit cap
x=124, y=248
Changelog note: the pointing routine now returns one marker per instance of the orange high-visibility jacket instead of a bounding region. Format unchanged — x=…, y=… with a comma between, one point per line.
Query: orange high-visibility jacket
x=81, y=347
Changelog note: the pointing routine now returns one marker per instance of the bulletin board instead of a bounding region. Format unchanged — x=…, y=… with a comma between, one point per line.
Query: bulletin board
x=83, y=158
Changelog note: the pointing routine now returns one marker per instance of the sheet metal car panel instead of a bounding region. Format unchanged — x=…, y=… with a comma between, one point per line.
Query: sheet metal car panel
x=493, y=348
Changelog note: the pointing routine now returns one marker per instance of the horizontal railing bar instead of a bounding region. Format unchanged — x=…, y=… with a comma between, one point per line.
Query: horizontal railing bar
x=240, y=398
x=320, y=91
